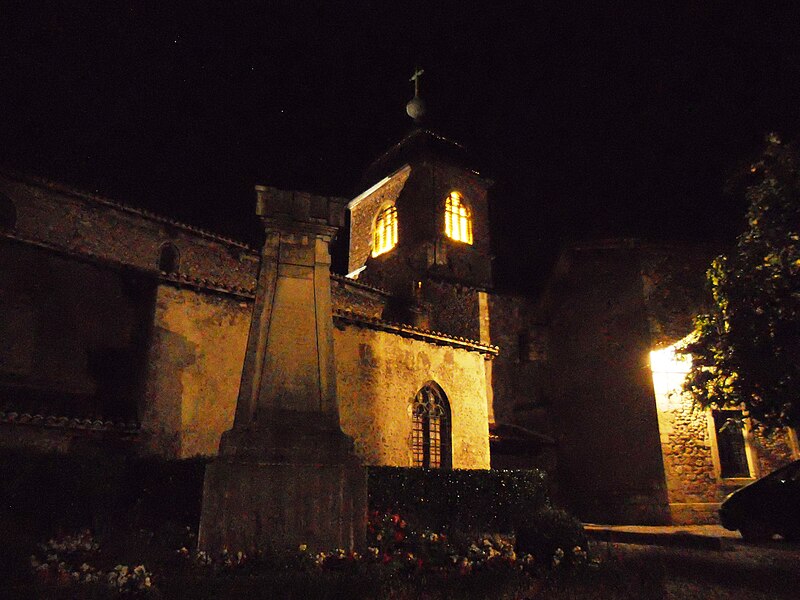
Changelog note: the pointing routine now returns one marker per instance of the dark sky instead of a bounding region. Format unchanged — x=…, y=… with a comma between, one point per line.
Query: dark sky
x=594, y=119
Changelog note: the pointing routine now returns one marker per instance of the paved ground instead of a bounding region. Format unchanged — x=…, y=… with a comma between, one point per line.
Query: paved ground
x=703, y=562
x=714, y=537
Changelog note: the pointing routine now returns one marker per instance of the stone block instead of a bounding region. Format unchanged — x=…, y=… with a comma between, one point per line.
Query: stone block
x=275, y=487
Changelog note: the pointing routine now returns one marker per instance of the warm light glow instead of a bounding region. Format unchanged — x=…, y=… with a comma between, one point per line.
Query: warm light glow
x=384, y=236
x=457, y=219
x=669, y=371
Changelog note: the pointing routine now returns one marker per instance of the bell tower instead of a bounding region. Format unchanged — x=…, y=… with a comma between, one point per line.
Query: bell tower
x=421, y=228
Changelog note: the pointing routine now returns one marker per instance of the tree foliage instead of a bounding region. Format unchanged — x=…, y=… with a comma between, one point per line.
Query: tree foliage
x=746, y=349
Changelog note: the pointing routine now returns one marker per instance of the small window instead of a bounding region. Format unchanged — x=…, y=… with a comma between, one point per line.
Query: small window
x=457, y=219
x=384, y=236
x=8, y=213
x=430, y=435
x=731, y=444
x=169, y=258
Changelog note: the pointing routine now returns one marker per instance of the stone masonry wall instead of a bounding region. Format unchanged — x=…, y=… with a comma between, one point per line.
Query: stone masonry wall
x=73, y=335
x=362, y=217
x=674, y=293
x=194, y=369
x=352, y=296
x=601, y=390
x=83, y=224
x=378, y=376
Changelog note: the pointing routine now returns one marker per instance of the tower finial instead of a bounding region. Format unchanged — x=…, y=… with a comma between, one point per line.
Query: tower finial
x=416, y=106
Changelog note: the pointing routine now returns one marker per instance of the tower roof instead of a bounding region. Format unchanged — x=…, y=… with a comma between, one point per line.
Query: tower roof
x=419, y=145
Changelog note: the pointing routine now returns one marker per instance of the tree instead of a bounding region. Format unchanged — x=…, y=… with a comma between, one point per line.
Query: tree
x=746, y=350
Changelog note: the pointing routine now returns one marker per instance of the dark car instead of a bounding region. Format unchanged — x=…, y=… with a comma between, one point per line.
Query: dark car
x=765, y=507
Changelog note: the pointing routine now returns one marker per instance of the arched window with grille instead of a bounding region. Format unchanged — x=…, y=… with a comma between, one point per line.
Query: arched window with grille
x=169, y=258
x=430, y=435
x=457, y=219
x=384, y=234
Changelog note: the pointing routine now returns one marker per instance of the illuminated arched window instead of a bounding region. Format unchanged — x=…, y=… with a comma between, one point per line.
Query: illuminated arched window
x=457, y=219
x=384, y=236
x=169, y=258
x=430, y=435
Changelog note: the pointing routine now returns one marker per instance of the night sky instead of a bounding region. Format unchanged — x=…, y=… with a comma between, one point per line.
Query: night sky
x=594, y=120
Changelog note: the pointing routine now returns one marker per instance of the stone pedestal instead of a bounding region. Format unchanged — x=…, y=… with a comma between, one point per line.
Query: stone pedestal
x=286, y=473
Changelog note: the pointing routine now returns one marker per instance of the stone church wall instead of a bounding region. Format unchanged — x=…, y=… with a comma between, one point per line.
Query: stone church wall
x=517, y=372
x=73, y=335
x=379, y=374
x=91, y=226
x=362, y=218
x=602, y=403
x=194, y=366
x=674, y=293
x=453, y=308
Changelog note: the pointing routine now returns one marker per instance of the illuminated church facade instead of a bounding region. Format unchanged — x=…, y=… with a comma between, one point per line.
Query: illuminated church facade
x=125, y=329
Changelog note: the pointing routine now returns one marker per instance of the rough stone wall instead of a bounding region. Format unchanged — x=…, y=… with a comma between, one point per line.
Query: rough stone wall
x=72, y=335
x=602, y=400
x=518, y=371
x=362, y=217
x=673, y=282
x=693, y=483
x=379, y=374
x=673, y=278
x=773, y=451
x=474, y=192
x=423, y=248
x=193, y=370
x=351, y=296
x=82, y=224
x=453, y=308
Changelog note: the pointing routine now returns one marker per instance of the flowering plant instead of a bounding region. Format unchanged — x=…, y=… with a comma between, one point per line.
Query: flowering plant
x=55, y=566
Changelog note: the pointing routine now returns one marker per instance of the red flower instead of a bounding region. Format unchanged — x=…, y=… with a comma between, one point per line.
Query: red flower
x=395, y=518
x=399, y=536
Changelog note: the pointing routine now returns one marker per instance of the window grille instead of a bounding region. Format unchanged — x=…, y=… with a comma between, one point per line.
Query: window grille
x=729, y=428
x=384, y=236
x=457, y=219
x=430, y=435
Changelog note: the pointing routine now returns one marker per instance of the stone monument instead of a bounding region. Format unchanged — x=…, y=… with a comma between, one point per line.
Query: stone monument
x=286, y=474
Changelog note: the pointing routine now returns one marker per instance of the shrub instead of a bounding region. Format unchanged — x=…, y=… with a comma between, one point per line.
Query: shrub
x=551, y=532
x=458, y=500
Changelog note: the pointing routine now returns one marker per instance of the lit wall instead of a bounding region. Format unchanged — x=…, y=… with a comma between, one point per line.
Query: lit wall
x=193, y=371
x=378, y=375
x=694, y=484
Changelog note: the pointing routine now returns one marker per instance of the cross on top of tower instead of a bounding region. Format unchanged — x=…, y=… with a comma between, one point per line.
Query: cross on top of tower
x=415, y=78
x=416, y=107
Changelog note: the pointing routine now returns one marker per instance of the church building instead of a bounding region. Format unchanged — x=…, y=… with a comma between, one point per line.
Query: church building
x=124, y=329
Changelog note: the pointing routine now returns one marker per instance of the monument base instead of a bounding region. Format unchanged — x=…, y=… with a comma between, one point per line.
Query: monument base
x=262, y=494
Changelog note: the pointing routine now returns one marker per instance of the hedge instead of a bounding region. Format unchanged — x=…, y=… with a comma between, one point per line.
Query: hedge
x=459, y=500
x=50, y=491
x=100, y=490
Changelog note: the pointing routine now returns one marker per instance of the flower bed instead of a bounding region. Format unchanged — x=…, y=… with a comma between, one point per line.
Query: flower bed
x=400, y=562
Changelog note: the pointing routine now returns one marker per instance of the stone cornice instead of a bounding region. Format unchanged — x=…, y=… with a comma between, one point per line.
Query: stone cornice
x=174, y=278
x=61, y=188
x=416, y=333
x=56, y=422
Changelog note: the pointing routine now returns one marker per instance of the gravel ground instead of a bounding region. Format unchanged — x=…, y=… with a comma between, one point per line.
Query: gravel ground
x=746, y=571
